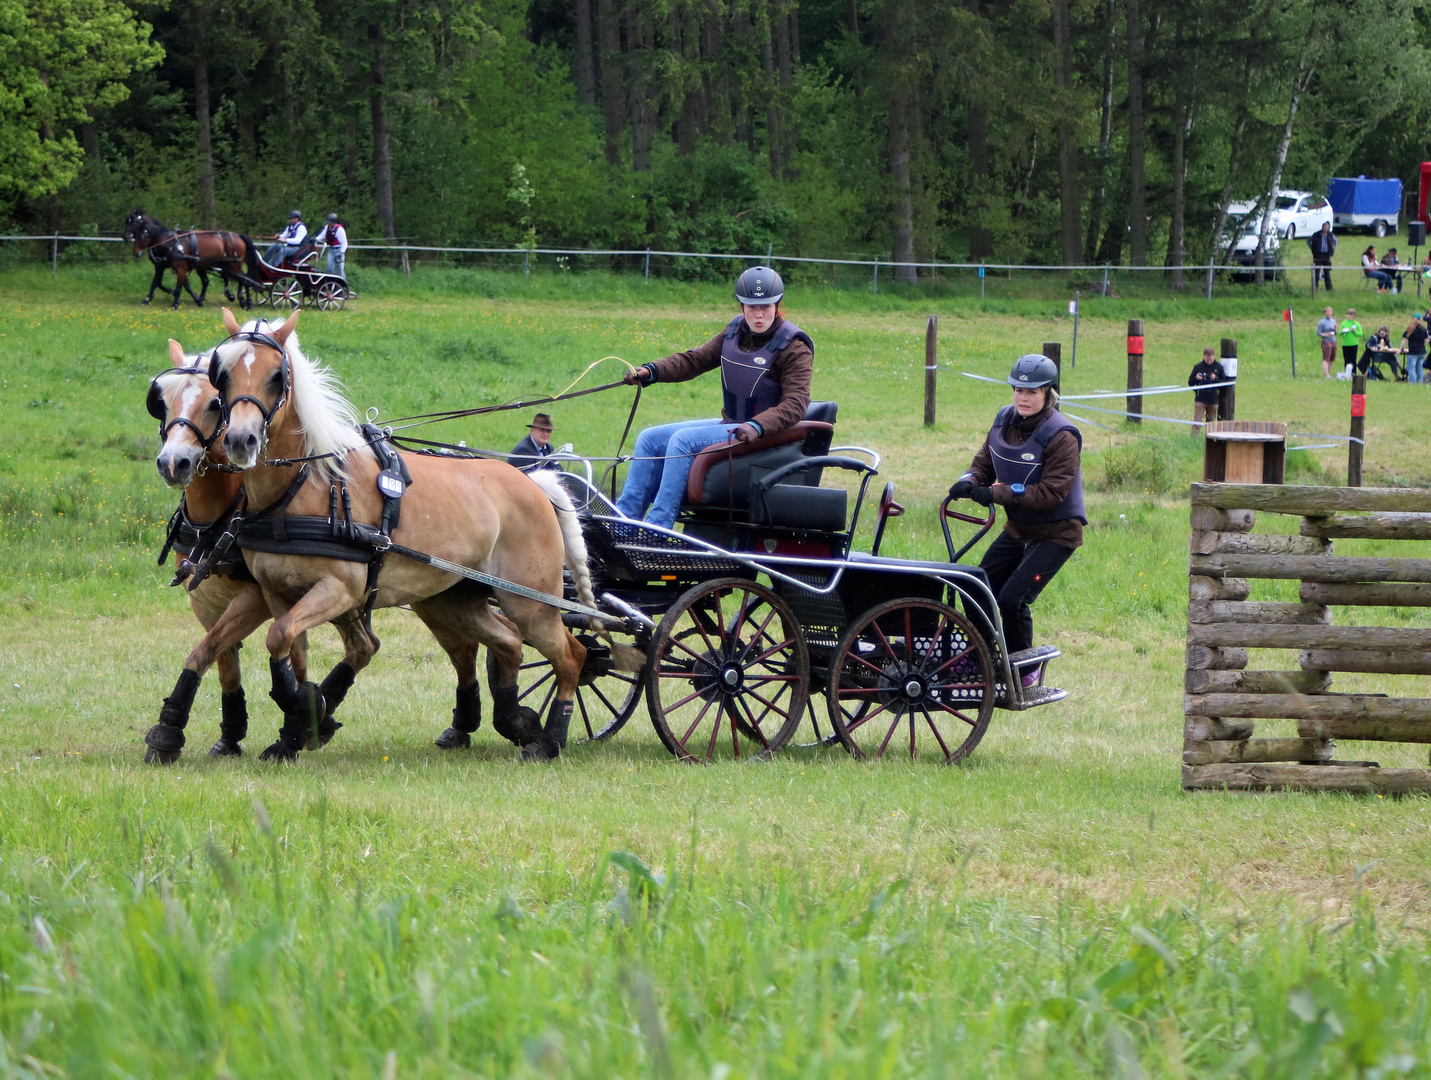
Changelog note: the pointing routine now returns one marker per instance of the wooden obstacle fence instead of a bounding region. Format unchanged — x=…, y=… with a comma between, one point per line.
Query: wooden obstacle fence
x=1224, y=701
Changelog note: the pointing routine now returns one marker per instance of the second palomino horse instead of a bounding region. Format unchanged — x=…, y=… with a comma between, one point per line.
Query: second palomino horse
x=481, y=514
x=190, y=419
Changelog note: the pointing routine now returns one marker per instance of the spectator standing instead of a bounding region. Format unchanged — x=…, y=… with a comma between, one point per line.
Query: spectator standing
x=335, y=238
x=1206, y=373
x=1414, y=340
x=1351, y=335
x=536, y=446
x=1327, y=334
x=289, y=240
x=1372, y=269
x=1323, y=245
x=1392, y=268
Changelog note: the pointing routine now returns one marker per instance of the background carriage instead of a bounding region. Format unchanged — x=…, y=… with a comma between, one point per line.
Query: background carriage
x=294, y=282
x=760, y=616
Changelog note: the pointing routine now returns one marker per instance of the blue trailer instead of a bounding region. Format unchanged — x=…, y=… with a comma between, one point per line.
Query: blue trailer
x=1360, y=203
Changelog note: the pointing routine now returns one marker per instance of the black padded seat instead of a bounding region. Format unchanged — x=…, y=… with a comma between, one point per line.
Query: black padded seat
x=721, y=475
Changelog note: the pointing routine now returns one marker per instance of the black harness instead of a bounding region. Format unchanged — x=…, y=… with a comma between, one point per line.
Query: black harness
x=336, y=536
x=197, y=543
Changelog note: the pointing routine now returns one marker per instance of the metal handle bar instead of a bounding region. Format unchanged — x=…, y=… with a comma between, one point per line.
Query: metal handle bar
x=765, y=483
x=945, y=514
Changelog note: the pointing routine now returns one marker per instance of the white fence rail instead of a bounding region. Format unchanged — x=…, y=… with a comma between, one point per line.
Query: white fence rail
x=1102, y=271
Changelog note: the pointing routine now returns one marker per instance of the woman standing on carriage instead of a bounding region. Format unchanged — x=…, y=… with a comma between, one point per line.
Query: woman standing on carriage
x=1030, y=464
x=765, y=363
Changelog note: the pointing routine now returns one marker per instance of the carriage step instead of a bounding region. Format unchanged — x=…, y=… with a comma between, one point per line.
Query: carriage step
x=1032, y=697
x=1037, y=655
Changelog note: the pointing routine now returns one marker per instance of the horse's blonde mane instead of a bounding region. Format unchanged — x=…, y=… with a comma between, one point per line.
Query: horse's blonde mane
x=327, y=419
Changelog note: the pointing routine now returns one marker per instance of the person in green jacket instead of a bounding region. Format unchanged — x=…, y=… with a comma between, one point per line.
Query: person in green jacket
x=1351, y=335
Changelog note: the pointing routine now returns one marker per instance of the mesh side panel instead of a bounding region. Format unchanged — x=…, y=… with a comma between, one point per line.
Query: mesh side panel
x=615, y=540
x=820, y=615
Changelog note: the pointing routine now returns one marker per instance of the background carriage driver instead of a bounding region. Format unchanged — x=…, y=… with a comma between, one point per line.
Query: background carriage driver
x=289, y=240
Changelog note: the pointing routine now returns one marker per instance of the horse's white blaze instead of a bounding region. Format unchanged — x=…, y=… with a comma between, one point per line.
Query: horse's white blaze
x=186, y=401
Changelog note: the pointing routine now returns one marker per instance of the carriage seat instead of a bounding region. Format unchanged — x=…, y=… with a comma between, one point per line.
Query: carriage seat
x=721, y=474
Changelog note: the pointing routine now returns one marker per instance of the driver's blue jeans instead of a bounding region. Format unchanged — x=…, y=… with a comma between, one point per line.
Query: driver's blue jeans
x=662, y=465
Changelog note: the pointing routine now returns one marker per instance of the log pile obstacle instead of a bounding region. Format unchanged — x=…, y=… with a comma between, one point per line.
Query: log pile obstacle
x=1224, y=702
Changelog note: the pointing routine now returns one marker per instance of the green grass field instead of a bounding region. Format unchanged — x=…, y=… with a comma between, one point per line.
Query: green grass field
x=1054, y=907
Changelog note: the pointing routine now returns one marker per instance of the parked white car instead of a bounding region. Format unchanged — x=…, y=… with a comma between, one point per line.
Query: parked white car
x=1243, y=227
x=1300, y=213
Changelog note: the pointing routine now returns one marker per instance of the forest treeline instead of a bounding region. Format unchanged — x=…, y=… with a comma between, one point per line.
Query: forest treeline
x=1043, y=130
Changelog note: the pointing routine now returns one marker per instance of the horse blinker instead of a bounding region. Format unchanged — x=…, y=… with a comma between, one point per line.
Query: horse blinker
x=155, y=402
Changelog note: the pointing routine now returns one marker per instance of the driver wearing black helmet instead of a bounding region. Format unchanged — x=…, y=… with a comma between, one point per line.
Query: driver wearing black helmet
x=1030, y=464
x=765, y=364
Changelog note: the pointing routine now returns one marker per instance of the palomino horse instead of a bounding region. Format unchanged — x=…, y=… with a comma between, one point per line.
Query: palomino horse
x=183, y=252
x=190, y=419
x=481, y=514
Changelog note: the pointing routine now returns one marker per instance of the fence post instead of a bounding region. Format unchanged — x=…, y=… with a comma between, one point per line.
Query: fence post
x=1209, y=280
x=1227, y=398
x=646, y=269
x=1358, y=430
x=1054, y=351
x=54, y=255
x=876, y=276
x=1135, y=368
x=406, y=266
x=931, y=367
x=1105, y=281
x=1073, y=360
x=527, y=264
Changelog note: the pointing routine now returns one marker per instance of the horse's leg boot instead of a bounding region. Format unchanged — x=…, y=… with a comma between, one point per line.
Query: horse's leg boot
x=165, y=739
x=553, y=737
x=517, y=724
x=333, y=690
x=233, y=727
x=466, y=718
x=303, y=712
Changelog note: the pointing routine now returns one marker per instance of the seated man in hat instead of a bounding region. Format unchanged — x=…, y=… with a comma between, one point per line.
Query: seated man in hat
x=536, y=446
x=289, y=240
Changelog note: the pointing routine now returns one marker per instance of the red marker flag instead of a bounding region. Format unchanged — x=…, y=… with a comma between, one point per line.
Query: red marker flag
x=1287, y=315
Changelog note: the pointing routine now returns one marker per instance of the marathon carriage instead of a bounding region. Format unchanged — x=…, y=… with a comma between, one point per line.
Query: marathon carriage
x=758, y=615
x=295, y=281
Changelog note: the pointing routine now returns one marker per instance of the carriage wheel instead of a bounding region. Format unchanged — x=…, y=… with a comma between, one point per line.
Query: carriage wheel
x=286, y=292
x=911, y=675
x=605, y=698
x=729, y=656
x=331, y=296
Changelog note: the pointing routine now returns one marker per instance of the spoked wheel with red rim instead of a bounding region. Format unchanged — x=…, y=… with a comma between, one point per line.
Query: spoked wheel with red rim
x=729, y=673
x=911, y=677
x=605, y=698
x=286, y=293
x=330, y=295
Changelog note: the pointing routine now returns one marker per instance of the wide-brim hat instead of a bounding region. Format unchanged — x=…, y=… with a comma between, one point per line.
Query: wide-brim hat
x=542, y=422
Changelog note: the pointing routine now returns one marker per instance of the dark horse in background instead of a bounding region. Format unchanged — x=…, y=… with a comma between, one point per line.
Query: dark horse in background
x=188, y=252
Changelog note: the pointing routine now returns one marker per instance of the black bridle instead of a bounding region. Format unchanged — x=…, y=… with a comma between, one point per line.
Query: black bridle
x=157, y=409
x=217, y=377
